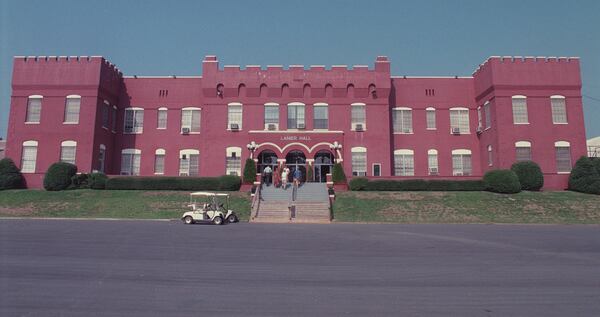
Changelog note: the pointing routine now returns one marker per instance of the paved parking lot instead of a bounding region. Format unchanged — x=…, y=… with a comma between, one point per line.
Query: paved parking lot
x=128, y=268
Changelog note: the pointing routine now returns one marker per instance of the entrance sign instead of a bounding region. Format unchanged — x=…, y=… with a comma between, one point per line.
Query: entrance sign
x=295, y=138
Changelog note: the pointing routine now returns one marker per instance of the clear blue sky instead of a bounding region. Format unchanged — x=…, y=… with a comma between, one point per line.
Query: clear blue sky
x=420, y=37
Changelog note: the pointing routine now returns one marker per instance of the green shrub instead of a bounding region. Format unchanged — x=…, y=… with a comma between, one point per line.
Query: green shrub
x=174, y=183
x=97, y=180
x=338, y=176
x=416, y=185
x=10, y=175
x=596, y=163
x=249, y=171
x=358, y=183
x=530, y=175
x=502, y=181
x=585, y=177
x=58, y=176
x=80, y=180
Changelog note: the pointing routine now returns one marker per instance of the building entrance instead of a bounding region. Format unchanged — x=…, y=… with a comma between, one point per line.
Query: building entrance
x=323, y=165
x=266, y=158
x=296, y=160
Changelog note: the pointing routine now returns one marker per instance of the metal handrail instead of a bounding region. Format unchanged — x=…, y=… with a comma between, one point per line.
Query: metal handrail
x=255, y=202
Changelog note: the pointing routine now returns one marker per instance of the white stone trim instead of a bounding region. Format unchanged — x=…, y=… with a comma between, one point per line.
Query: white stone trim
x=562, y=144
x=188, y=152
x=404, y=152
x=68, y=143
x=522, y=144
x=432, y=152
x=30, y=143
x=160, y=152
x=131, y=151
x=358, y=149
x=461, y=152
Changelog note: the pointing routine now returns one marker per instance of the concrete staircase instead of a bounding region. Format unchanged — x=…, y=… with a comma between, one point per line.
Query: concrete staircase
x=311, y=204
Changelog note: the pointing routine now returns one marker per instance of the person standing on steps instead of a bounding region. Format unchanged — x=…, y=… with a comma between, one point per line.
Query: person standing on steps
x=284, y=177
x=297, y=177
x=268, y=173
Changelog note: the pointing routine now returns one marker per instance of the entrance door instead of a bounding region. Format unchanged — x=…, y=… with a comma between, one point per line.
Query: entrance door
x=296, y=160
x=266, y=158
x=323, y=165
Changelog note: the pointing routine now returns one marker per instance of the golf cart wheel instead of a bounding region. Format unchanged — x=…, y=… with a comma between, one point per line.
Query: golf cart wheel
x=218, y=220
x=188, y=220
x=232, y=219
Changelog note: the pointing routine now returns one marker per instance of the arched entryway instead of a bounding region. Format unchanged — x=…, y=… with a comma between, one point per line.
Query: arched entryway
x=296, y=160
x=323, y=165
x=266, y=158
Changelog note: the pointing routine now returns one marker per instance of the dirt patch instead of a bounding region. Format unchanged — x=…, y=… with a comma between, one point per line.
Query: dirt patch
x=25, y=210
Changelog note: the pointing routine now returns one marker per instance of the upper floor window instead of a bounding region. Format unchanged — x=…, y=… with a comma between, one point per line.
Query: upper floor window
x=563, y=156
x=461, y=162
x=233, y=161
x=321, y=116
x=559, y=109
x=404, y=163
x=459, y=120
x=159, y=161
x=234, y=116
x=72, y=107
x=488, y=114
x=430, y=117
x=34, y=109
x=519, y=109
x=134, y=120
x=359, y=117
x=523, y=151
x=189, y=162
x=161, y=119
x=479, y=119
x=68, y=150
x=296, y=116
x=130, y=161
x=105, y=114
x=432, y=161
x=29, y=156
x=271, y=116
x=190, y=120
x=402, y=118
x=359, y=161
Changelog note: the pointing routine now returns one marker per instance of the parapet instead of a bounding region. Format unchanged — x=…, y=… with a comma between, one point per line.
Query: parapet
x=525, y=60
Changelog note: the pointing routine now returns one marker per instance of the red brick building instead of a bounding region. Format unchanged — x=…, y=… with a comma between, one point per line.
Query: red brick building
x=83, y=110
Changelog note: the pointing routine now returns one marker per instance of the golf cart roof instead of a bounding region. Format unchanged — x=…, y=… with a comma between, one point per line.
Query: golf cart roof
x=209, y=194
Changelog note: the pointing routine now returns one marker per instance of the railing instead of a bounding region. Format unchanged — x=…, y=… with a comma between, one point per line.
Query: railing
x=256, y=199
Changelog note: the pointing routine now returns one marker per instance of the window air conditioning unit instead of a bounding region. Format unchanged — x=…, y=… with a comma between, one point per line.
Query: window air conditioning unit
x=406, y=131
x=359, y=127
x=301, y=126
x=455, y=130
x=433, y=171
x=271, y=127
x=185, y=130
x=234, y=126
x=183, y=174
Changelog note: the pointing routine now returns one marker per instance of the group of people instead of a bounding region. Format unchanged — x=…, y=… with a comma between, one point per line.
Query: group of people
x=279, y=176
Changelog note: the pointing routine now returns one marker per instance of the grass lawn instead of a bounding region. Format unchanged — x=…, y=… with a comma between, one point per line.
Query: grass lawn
x=87, y=203
x=467, y=207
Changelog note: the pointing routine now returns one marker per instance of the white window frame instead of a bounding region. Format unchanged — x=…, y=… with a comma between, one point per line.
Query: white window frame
x=432, y=162
x=430, y=113
x=66, y=119
x=233, y=160
x=462, y=153
x=185, y=166
x=28, y=164
x=354, y=121
x=405, y=125
x=358, y=149
x=266, y=122
x=133, y=169
x=28, y=109
x=562, y=145
x=162, y=123
x=479, y=119
x=159, y=153
x=137, y=125
x=302, y=120
x=65, y=146
x=553, y=109
x=519, y=109
x=232, y=117
x=403, y=160
x=373, y=169
x=188, y=121
x=523, y=145
x=487, y=112
x=320, y=105
x=461, y=120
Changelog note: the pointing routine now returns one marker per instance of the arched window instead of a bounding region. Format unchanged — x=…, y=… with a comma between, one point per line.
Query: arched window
x=359, y=161
x=430, y=118
x=134, y=120
x=523, y=151
x=519, y=109
x=559, y=109
x=68, y=150
x=359, y=117
x=296, y=117
x=321, y=116
x=233, y=161
x=432, y=161
x=459, y=120
x=29, y=156
x=563, y=156
x=191, y=118
x=159, y=161
x=402, y=119
x=72, y=106
x=34, y=109
x=162, y=118
x=130, y=161
x=234, y=116
x=490, y=155
x=189, y=162
x=461, y=162
x=285, y=90
x=271, y=116
x=350, y=91
x=372, y=91
x=404, y=162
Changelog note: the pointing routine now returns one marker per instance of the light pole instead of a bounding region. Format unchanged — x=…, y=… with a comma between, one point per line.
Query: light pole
x=335, y=147
x=252, y=147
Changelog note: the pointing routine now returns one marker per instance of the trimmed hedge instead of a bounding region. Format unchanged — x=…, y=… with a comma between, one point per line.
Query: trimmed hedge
x=361, y=183
x=97, y=180
x=222, y=183
x=10, y=175
x=249, y=171
x=58, y=176
x=585, y=176
x=530, y=175
x=502, y=181
x=338, y=176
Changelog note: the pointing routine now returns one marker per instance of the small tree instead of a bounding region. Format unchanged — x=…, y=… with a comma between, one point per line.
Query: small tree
x=502, y=181
x=338, y=175
x=585, y=177
x=58, y=176
x=10, y=175
x=529, y=174
x=249, y=171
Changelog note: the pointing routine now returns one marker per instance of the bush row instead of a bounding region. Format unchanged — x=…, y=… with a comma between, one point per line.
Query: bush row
x=10, y=175
x=585, y=176
x=226, y=183
x=361, y=183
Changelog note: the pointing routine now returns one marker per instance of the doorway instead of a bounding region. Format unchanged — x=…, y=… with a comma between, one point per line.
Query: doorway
x=323, y=165
x=296, y=160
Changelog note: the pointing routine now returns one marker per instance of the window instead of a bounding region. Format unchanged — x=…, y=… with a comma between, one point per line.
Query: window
x=479, y=119
x=430, y=114
x=105, y=114
x=359, y=117
x=190, y=120
x=29, y=156
x=233, y=161
x=67, y=151
x=72, y=109
x=377, y=169
x=519, y=109
x=161, y=121
x=271, y=116
x=559, y=109
x=101, y=158
x=523, y=151
x=321, y=116
x=459, y=120
x=114, y=119
x=404, y=163
x=34, y=109
x=295, y=116
x=402, y=118
x=134, y=120
x=234, y=116
x=461, y=162
x=189, y=161
x=359, y=161
x=159, y=161
x=488, y=115
x=130, y=161
x=490, y=156
x=563, y=156
x=432, y=162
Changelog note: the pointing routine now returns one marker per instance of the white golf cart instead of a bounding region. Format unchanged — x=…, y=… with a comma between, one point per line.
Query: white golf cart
x=208, y=207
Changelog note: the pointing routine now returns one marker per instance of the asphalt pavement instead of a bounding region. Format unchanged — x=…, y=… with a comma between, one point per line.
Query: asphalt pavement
x=148, y=268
